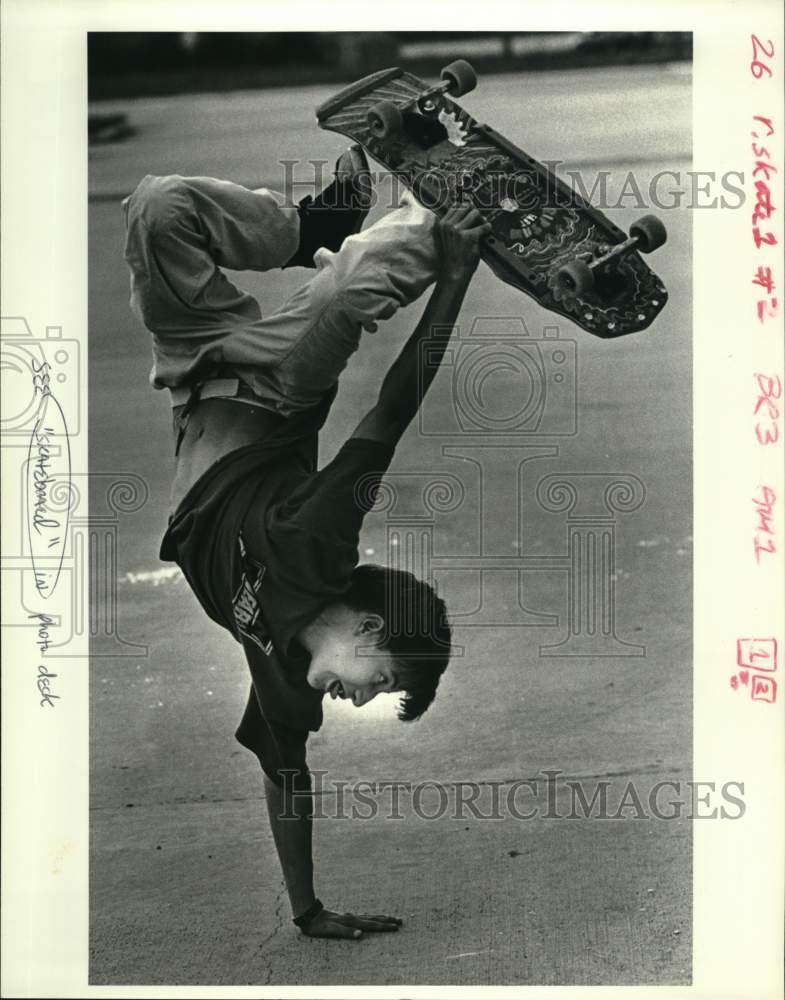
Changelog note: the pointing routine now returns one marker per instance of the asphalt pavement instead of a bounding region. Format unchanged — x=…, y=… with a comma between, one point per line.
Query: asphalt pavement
x=184, y=881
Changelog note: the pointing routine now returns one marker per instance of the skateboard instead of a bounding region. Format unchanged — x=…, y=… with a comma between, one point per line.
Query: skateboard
x=546, y=239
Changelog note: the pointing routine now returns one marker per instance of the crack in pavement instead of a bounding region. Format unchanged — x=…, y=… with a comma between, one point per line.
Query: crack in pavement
x=278, y=927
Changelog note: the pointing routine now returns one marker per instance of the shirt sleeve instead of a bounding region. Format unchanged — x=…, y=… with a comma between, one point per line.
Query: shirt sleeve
x=279, y=749
x=332, y=503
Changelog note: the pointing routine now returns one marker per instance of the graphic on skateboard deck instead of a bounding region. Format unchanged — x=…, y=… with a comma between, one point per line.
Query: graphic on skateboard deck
x=546, y=240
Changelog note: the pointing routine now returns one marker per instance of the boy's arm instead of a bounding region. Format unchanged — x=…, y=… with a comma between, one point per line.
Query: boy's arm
x=410, y=376
x=291, y=823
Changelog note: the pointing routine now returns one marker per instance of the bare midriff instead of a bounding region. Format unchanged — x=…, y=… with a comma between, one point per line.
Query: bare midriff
x=215, y=428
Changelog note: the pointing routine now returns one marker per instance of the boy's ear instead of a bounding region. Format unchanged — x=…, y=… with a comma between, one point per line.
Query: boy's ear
x=369, y=624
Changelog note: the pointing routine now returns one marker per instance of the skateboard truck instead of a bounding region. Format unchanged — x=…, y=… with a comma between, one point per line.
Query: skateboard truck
x=646, y=235
x=385, y=118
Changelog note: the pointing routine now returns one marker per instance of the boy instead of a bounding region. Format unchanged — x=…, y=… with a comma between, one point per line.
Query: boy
x=268, y=544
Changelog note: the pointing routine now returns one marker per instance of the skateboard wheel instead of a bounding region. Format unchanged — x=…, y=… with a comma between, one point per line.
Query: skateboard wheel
x=385, y=119
x=649, y=232
x=460, y=76
x=576, y=277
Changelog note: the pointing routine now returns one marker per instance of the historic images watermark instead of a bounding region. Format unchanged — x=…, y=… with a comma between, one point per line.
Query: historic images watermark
x=565, y=185
x=549, y=795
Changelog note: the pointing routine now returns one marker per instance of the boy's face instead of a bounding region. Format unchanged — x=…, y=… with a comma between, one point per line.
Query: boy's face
x=348, y=664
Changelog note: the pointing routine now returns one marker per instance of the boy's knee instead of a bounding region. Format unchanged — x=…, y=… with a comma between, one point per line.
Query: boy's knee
x=157, y=201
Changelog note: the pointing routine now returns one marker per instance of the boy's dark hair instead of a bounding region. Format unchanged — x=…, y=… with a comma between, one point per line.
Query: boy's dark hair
x=417, y=632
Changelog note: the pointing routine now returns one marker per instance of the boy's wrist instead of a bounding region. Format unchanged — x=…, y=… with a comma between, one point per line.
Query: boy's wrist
x=301, y=898
x=456, y=274
x=307, y=915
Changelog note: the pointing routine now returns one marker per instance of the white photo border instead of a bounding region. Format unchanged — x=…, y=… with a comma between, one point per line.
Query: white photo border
x=739, y=873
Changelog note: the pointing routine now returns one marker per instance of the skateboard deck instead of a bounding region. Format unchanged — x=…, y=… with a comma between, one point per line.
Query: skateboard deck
x=539, y=224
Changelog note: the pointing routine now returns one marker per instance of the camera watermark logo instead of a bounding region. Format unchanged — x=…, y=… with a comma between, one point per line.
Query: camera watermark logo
x=51, y=546
x=504, y=381
x=475, y=525
x=25, y=358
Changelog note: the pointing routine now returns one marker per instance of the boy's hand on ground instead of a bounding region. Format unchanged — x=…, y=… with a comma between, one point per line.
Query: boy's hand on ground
x=460, y=231
x=329, y=924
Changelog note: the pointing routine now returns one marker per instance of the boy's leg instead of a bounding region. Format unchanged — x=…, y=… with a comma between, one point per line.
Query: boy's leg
x=182, y=230
x=374, y=273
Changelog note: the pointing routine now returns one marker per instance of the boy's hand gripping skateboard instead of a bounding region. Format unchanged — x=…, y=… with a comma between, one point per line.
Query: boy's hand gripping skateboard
x=545, y=239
